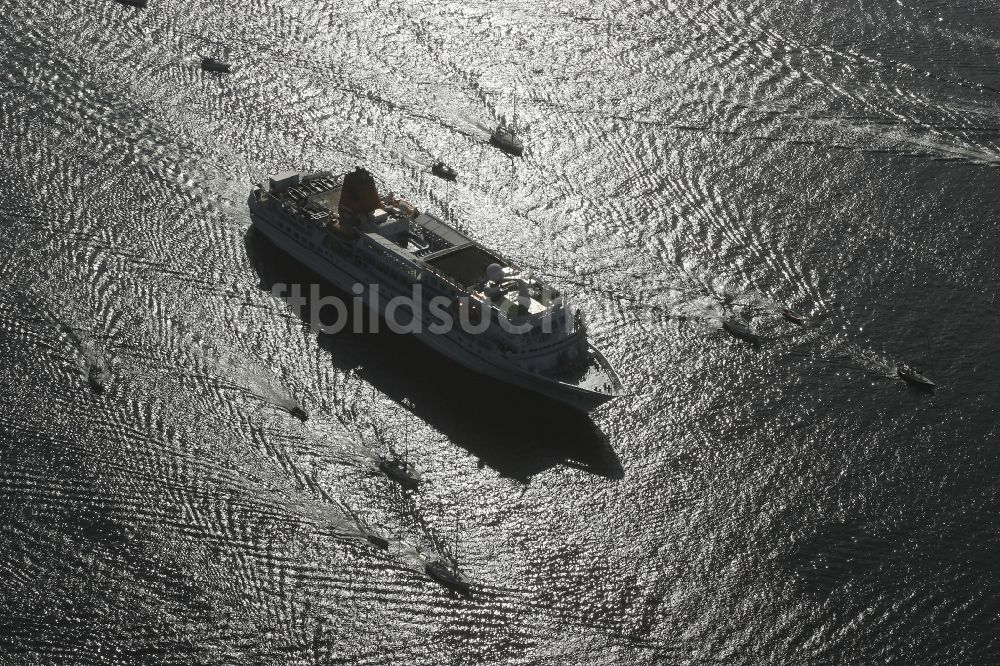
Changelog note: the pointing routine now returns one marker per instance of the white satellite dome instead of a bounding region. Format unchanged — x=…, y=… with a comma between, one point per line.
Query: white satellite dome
x=494, y=273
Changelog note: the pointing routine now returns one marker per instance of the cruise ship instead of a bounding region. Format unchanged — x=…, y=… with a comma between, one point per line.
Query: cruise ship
x=474, y=306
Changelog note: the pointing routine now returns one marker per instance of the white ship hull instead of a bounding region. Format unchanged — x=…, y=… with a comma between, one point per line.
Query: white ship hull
x=454, y=346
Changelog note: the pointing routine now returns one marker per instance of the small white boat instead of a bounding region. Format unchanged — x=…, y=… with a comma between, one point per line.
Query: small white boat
x=503, y=137
x=97, y=377
x=213, y=65
x=399, y=471
x=377, y=540
x=914, y=378
x=795, y=317
x=740, y=330
x=448, y=576
x=442, y=170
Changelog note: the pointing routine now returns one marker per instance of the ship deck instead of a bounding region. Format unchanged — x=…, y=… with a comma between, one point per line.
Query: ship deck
x=594, y=375
x=465, y=264
x=437, y=235
x=329, y=199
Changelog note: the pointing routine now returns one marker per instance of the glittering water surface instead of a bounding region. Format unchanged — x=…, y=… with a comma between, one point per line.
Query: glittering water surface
x=787, y=504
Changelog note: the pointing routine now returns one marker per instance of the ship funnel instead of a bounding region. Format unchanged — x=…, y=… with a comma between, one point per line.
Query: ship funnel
x=359, y=195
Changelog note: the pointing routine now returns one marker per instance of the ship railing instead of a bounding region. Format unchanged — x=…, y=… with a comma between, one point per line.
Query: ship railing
x=417, y=268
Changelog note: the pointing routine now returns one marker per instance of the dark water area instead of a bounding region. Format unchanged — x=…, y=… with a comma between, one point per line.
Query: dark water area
x=792, y=503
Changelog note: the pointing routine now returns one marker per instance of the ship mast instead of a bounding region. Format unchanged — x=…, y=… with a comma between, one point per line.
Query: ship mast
x=406, y=427
x=454, y=552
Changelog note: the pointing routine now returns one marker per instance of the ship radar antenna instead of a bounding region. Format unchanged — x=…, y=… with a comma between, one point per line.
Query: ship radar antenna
x=494, y=273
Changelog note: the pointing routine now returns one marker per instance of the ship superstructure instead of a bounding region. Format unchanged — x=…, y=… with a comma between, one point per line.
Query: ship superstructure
x=464, y=300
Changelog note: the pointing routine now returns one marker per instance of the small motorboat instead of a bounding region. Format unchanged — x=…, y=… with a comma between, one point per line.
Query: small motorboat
x=795, y=317
x=914, y=378
x=399, y=471
x=299, y=412
x=97, y=377
x=503, y=137
x=213, y=65
x=442, y=170
x=141, y=4
x=740, y=329
x=448, y=576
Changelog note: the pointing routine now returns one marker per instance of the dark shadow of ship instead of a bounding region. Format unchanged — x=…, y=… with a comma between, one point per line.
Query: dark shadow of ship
x=515, y=432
